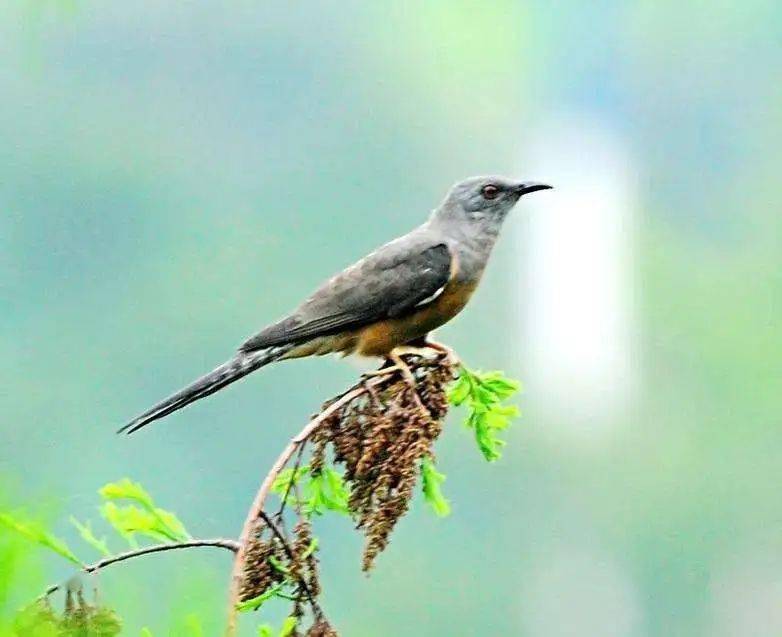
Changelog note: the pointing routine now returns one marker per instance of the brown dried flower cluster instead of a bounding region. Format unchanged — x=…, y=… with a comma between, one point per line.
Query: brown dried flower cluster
x=380, y=438
x=304, y=567
x=259, y=572
x=378, y=432
x=279, y=559
x=321, y=628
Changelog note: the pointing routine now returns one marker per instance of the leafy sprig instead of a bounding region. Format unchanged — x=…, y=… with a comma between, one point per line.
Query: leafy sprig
x=37, y=534
x=431, y=480
x=288, y=628
x=278, y=590
x=321, y=491
x=484, y=394
x=130, y=511
x=141, y=516
x=87, y=534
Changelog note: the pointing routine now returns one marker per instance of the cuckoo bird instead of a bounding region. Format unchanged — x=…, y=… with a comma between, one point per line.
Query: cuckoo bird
x=388, y=301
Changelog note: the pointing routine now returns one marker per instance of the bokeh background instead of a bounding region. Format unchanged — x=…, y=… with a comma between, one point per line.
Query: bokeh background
x=175, y=175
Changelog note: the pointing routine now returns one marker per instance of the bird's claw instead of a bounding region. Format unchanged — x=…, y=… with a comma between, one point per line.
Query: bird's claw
x=398, y=366
x=445, y=352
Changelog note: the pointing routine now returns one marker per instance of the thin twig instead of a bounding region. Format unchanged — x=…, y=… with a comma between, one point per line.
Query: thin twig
x=316, y=609
x=254, y=513
x=284, y=499
x=231, y=545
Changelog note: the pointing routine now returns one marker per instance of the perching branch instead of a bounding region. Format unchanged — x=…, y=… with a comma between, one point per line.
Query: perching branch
x=380, y=433
x=231, y=545
x=363, y=456
x=259, y=502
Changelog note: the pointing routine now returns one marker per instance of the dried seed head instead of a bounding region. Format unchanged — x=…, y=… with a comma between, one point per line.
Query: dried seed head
x=380, y=439
x=321, y=628
x=259, y=573
x=305, y=566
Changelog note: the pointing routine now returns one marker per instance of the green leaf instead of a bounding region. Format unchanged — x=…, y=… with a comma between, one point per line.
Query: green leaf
x=194, y=625
x=499, y=385
x=144, y=519
x=146, y=632
x=287, y=478
x=35, y=533
x=336, y=494
x=323, y=491
x=278, y=566
x=85, y=531
x=506, y=411
x=256, y=602
x=432, y=479
x=288, y=626
x=326, y=491
x=172, y=524
x=460, y=390
x=311, y=548
x=130, y=521
x=487, y=440
x=126, y=489
x=484, y=393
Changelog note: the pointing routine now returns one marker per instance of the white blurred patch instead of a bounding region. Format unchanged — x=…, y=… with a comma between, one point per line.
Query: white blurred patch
x=577, y=263
x=747, y=597
x=575, y=593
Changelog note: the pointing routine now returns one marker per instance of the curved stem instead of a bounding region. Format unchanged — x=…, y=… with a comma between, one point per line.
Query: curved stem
x=316, y=609
x=231, y=545
x=260, y=498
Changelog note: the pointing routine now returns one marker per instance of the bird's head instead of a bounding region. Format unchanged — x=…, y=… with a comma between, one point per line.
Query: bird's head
x=486, y=198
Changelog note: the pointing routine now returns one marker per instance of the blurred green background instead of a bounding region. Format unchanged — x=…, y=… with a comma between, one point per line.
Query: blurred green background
x=175, y=175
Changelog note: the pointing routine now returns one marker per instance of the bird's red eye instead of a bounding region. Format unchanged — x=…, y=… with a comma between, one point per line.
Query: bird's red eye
x=490, y=192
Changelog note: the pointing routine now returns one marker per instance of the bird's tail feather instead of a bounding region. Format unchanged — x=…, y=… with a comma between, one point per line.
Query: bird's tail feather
x=232, y=370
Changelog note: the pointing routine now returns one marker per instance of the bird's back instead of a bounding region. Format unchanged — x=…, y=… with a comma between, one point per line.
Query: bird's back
x=364, y=291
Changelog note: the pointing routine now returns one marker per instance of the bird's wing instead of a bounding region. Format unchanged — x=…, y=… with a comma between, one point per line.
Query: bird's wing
x=394, y=280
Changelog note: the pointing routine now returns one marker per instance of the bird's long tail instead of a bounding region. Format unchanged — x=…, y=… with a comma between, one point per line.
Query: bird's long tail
x=240, y=365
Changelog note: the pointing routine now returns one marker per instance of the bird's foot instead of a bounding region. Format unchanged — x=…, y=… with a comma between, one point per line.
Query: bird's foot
x=395, y=365
x=446, y=352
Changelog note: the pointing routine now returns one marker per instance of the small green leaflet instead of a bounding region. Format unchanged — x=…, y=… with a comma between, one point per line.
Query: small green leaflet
x=85, y=530
x=460, y=390
x=145, y=519
x=194, y=626
x=432, y=479
x=34, y=532
x=322, y=491
x=288, y=627
x=311, y=548
x=256, y=602
x=484, y=394
x=126, y=489
x=326, y=491
x=285, y=480
x=279, y=566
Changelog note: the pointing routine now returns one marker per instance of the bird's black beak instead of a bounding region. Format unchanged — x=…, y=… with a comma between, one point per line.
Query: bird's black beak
x=527, y=187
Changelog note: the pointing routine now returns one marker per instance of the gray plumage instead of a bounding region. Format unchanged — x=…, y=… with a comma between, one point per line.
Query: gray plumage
x=397, y=294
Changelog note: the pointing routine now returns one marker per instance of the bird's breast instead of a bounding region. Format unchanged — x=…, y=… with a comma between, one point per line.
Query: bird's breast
x=379, y=338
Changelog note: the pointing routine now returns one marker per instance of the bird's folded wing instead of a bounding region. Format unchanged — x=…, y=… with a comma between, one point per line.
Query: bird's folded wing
x=388, y=283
